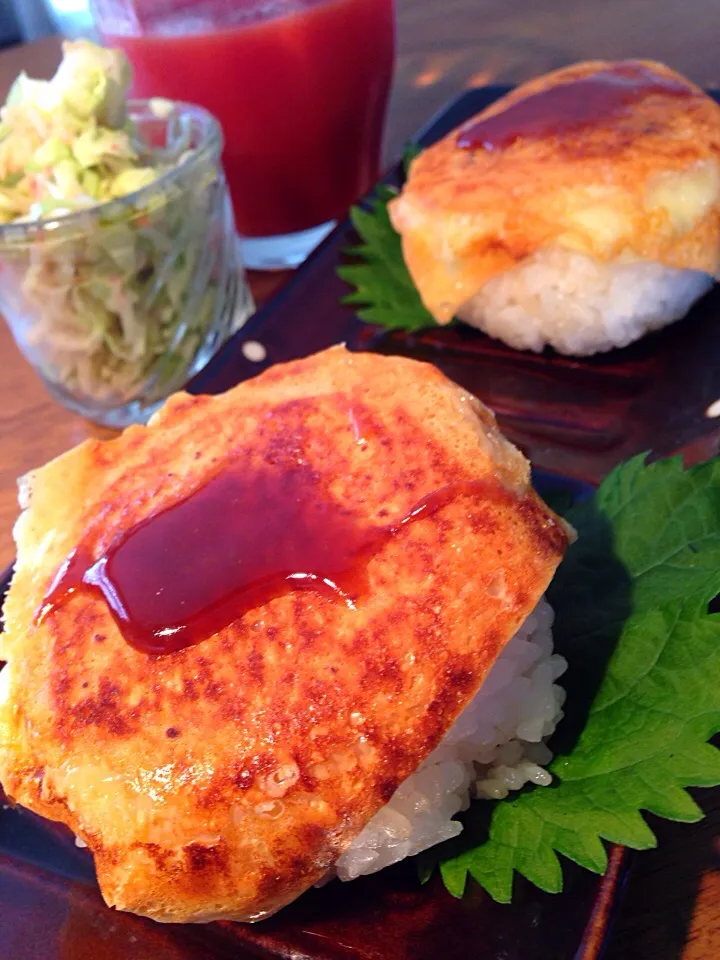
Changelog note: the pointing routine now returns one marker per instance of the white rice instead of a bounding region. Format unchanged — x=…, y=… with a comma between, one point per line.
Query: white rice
x=495, y=746
x=580, y=306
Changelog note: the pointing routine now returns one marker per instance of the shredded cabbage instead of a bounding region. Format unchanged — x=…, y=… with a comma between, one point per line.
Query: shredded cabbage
x=55, y=131
x=129, y=296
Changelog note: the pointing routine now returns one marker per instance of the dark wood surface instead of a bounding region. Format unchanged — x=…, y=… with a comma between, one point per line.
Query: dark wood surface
x=671, y=909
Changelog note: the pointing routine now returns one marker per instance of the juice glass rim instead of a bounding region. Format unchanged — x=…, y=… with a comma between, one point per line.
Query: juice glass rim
x=210, y=145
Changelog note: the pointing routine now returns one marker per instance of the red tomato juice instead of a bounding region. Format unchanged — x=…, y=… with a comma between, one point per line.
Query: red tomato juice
x=301, y=98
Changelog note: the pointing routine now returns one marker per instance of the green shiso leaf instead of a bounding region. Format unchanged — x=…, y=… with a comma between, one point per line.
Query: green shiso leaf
x=631, y=602
x=382, y=288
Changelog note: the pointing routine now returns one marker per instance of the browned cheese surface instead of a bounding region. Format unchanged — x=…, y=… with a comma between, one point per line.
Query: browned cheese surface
x=168, y=767
x=645, y=184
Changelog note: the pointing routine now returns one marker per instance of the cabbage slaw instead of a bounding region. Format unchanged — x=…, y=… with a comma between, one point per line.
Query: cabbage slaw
x=128, y=257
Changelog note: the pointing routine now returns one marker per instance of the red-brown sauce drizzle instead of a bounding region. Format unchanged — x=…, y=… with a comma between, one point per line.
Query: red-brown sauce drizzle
x=570, y=106
x=240, y=540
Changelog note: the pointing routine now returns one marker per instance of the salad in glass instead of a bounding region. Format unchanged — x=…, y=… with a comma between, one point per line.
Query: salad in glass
x=119, y=271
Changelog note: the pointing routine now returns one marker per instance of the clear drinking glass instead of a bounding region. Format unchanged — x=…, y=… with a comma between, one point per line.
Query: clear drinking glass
x=118, y=305
x=299, y=86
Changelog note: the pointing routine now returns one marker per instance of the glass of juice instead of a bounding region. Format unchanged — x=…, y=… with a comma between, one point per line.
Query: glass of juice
x=300, y=88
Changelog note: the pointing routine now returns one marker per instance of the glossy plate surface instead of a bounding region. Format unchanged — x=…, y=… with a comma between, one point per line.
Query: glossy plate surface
x=575, y=419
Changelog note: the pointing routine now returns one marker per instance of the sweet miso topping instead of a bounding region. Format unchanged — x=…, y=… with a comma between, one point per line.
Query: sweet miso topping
x=571, y=106
x=235, y=543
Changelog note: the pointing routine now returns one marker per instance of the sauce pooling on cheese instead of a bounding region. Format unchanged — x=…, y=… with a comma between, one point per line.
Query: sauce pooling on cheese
x=570, y=106
x=235, y=543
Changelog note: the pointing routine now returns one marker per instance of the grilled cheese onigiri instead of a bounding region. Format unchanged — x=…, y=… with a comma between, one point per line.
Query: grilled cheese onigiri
x=224, y=779
x=583, y=236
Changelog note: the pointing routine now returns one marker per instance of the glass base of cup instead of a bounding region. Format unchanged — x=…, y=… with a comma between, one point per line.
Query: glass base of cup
x=284, y=251
x=242, y=307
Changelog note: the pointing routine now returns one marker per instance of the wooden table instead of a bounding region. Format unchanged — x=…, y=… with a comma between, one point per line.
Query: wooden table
x=672, y=907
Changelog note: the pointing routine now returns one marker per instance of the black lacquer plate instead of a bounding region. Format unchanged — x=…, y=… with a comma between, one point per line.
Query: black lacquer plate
x=575, y=419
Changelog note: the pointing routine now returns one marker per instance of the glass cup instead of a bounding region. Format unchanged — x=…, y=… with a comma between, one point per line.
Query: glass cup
x=300, y=88
x=118, y=305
